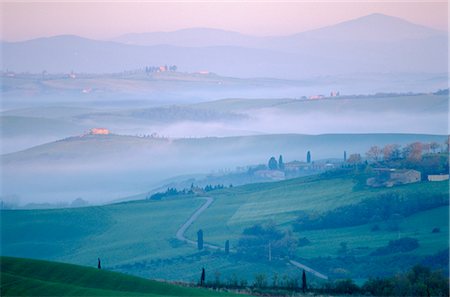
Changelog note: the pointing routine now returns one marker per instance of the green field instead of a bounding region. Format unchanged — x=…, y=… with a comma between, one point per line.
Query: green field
x=282, y=201
x=139, y=237
x=26, y=277
x=119, y=233
x=362, y=240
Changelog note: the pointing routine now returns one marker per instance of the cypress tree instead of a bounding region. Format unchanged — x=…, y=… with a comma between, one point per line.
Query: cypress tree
x=304, y=286
x=273, y=165
x=308, y=157
x=280, y=163
x=202, y=278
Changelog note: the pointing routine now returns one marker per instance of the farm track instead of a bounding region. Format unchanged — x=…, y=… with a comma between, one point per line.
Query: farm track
x=180, y=232
x=180, y=235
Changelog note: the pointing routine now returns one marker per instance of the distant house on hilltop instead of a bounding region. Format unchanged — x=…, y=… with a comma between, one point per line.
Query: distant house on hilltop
x=386, y=177
x=405, y=176
x=99, y=131
x=437, y=177
x=294, y=166
x=270, y=174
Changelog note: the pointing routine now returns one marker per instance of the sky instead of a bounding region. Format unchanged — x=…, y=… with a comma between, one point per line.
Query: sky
x=22, y=20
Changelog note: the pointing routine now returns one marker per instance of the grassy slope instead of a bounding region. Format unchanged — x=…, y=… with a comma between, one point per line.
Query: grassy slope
x=293, y=146
x=120, y=233
x=242, y=105
x=21, y=120
x=133, y=83
x=25, y=277
x=281, y=202
x=139, y=233
x=402, y=104
x=362, y=240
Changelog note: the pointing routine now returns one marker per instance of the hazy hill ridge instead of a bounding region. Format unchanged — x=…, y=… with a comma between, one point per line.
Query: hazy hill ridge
x=374, y=43
x=374, y=27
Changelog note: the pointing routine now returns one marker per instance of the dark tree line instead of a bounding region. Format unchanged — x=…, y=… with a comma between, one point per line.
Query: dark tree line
x=209, y=188
x=170, y=192
x=418, y=281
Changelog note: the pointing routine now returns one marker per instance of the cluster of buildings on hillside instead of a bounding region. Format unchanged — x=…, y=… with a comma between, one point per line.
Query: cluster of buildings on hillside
x=381, y=177
x=389, y=177
x=332, y=94
x=294, y=169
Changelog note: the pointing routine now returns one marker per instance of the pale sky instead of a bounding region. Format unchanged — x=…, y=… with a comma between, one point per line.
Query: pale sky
x=23, y=20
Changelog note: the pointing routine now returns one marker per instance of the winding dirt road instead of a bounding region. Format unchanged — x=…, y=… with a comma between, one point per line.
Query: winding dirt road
x=181, y=236
x=308, y=269
x=180, y=233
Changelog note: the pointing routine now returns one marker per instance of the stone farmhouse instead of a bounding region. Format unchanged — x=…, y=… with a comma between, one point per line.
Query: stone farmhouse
x=387, y=177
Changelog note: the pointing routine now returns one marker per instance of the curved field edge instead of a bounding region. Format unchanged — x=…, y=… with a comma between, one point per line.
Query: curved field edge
x=27, y=277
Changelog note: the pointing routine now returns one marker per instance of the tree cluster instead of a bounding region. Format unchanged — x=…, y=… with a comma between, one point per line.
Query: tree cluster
x=401, y=245
x=412, y=151
x=170, y=192
x=209, y=188
x=419, y=281
x=264, y=241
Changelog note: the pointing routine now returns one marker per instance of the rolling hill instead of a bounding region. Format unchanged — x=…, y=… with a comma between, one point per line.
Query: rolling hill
x=27, y=277
x=139, y=237
x=407, y=48
x=374, y=28
x=102, y=168
x=381, y=28
x=101, y=147
x=419, y=113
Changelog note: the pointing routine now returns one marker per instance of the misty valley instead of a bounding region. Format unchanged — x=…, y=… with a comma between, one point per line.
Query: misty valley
x=204, y=162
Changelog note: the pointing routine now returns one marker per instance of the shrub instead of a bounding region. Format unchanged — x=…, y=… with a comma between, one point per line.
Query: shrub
x=401, y=245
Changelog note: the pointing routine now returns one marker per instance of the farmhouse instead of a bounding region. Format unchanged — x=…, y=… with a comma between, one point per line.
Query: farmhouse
x=405, y=176
x=295, y=166
x=270, y=174
x=387, y=177
x=99, y=131
x=437, y=177
x=315, y=97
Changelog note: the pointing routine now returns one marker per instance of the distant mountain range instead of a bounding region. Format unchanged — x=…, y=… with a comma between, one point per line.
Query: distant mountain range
x=372, y=44
x=371, y=28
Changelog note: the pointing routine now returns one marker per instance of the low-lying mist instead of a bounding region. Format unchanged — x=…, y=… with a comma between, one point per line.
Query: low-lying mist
x=100, y=168
x=147, y=146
